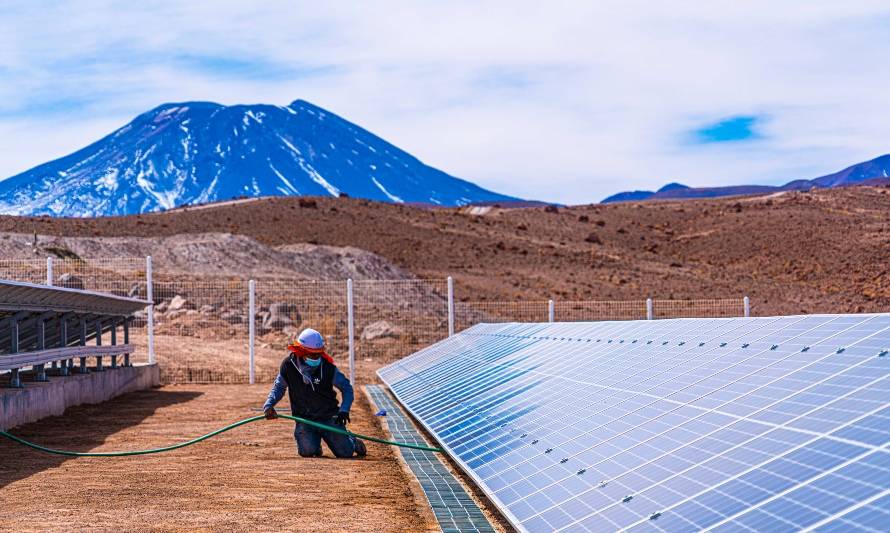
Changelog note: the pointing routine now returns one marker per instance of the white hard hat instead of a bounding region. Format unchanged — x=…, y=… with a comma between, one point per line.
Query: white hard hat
x=311, y=340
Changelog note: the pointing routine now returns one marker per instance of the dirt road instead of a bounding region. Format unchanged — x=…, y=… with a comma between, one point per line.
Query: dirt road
x=247, y=479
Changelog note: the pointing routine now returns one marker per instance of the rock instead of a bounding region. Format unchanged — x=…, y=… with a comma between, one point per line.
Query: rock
x=551, y=209
x=161, y=307
x=381, y=330
x=593, y=238
x=191, y=312
x=307, y=203
x=70, y=281
x=177, y=303
x=232, y=317
x=175, y=313
x=281, y=315
x=207, y=309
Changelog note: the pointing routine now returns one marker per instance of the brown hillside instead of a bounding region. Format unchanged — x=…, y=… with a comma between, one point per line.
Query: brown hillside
x=822, y=251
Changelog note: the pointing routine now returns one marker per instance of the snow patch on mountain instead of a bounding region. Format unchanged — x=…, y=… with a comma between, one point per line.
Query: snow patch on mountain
x=198, y=152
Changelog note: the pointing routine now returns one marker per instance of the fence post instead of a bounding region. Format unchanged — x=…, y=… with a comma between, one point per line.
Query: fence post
x=49, y=271
x=149, y=295
x=350, y=325
x=551, y=311
x=251, y=330
x=450, y=306
x=747, y=303
x=648, y=308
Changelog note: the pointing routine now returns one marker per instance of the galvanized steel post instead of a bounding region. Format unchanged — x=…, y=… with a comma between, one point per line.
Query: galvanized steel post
x=149, y=295
x=251, y=331
x=41, y=345
x=551, y=311
x=49, y=271
x=649, y=313
x=747, y=303
x=15, y=379
x=450, y=306
x=350, y=326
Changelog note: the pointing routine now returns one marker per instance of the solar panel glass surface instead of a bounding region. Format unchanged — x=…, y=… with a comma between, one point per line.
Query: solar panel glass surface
x=668, y=425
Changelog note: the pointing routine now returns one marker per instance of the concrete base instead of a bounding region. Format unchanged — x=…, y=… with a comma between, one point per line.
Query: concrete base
x=40, y=400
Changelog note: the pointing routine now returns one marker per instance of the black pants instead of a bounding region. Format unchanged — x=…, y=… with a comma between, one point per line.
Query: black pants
x=309, y=440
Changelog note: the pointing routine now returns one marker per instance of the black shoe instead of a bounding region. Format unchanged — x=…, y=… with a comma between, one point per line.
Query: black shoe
x=360, y=449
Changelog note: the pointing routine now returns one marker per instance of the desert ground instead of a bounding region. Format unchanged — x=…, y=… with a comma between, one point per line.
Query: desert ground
x=795, y=252
x=248, y=479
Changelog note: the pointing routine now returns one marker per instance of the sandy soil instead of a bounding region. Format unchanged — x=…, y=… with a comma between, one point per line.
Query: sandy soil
x=247, y=479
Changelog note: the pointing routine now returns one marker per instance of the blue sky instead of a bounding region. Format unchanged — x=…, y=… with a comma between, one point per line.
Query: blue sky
x=565, y=101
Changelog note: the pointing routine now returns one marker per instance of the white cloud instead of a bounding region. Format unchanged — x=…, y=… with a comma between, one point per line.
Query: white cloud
x=560, y=101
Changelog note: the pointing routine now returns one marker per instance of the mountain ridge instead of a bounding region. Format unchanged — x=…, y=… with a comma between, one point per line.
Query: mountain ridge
x=873, y=171
x=186, y=153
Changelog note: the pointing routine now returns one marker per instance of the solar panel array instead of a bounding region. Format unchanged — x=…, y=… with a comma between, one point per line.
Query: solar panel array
x=758, y=424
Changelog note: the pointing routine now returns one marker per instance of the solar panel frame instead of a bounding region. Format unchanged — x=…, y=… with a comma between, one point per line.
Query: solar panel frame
x=626, y=337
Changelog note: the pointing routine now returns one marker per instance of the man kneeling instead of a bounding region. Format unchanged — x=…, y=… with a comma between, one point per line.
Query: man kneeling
x=309, y=375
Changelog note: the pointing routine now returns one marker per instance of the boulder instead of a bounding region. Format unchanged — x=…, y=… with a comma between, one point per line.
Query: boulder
x=207, y=309
x=381, y=330
x=70, y=281
x=177, y=303
x=161, y=307
x=232, y=317
x=281, y=315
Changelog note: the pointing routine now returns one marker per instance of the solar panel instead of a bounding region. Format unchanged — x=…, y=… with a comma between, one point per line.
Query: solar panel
x=727, y=424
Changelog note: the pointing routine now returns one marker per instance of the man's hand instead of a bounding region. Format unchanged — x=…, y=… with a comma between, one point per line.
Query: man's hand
x=342, y=418
x=270, y=413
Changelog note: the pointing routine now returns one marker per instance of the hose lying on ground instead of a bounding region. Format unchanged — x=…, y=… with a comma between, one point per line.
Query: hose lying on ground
x=213, y=434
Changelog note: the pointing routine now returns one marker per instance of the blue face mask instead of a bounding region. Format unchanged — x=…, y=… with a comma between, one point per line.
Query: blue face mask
x=313, y=363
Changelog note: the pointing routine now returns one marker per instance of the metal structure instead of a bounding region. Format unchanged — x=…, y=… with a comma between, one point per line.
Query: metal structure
x=774, y=423
x=41, y=324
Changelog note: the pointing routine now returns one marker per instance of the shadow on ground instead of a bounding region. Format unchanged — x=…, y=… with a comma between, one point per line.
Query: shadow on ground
x=80, y=429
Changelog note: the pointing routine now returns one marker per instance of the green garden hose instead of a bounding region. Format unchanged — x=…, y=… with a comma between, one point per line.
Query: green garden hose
x=213, y=434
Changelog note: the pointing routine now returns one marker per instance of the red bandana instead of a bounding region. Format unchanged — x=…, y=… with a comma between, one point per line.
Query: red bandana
x=302, y=351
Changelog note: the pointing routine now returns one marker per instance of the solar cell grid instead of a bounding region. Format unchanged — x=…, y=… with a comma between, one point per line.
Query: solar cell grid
x=675, y=424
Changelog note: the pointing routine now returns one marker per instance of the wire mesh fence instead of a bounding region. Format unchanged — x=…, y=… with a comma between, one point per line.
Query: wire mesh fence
x=592, y=310
x=200, y=329
x=201, y=324
x=468, y=314
x=396, y=318
x=702, y=308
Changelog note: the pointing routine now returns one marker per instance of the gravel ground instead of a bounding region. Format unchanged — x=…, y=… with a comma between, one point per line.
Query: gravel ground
x=246, y=479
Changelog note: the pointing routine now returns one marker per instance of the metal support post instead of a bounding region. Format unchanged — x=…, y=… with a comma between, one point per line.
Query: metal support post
x=15, y=379
x=63, y=341
x=649, y=314
x=747, y=303
x=99, y=366
x=350, y=325
x=83, y=342
x=149, y=295
x=114, y=324
x=127, y=339
x=49, y=271
x=551, y=311
x=450, y=306
x=41, y=345
x=251, y=313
